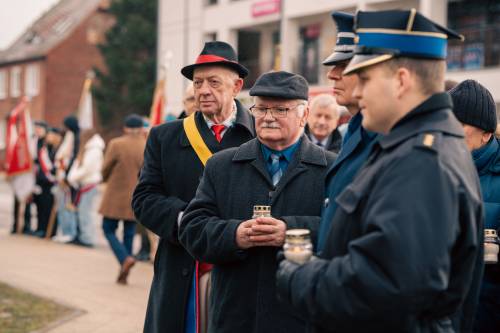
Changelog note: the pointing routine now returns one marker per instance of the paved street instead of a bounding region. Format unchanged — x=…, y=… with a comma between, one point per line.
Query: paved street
x=78, y=277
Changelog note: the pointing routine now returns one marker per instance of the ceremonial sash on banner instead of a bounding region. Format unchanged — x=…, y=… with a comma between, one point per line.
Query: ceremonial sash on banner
x=202, y=270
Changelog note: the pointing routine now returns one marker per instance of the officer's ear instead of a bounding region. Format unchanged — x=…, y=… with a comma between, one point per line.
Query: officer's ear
x=404, y=81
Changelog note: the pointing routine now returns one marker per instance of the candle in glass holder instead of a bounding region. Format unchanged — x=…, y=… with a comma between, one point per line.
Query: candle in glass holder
x=261, y=211
x=490, y=246
x=298, y=246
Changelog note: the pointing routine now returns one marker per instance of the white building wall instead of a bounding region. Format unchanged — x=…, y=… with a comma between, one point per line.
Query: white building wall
x=227, y=17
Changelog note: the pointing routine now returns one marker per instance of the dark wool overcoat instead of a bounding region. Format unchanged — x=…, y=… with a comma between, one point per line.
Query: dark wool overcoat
x=404, y=250
x=243, y=286
x=167, y=183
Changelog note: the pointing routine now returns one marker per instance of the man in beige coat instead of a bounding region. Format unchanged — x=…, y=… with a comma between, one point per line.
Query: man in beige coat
x=122, y=161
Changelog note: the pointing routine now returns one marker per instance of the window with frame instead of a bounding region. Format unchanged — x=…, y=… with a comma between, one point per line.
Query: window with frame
x=15, y=82
x=309, y=52
x=3, y=84
x=479, y=22
x=32, y=82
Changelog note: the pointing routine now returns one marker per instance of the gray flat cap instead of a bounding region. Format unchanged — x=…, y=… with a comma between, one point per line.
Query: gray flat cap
x=281, y=85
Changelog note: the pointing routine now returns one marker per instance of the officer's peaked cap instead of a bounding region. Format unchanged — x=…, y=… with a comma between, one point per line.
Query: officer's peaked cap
x=383, y=35
x=344, y=47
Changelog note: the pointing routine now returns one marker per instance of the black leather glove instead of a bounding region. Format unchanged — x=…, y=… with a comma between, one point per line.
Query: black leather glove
x=284, y=278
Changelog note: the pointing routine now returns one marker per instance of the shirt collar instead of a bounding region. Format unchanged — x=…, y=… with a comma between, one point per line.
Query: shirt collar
x=287, y=152
x=432, y=115
x=228, y=122
x=316, y=141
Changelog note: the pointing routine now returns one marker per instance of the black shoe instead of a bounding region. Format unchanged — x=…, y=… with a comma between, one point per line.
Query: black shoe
x=142, y=256
x=76, y=241
x=39, y=233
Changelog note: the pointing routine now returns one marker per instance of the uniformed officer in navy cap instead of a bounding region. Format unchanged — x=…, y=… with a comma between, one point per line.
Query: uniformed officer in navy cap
x=403, y=253
x=357, y=142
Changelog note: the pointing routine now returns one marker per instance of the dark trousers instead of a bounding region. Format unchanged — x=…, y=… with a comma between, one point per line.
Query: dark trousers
x=121, y=249
x=488, y=311
x=27, y=217
x=44, y=202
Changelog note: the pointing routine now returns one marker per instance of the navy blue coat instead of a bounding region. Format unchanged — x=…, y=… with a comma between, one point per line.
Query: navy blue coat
x=404, y=250
x=487, y=160
x=357, y=146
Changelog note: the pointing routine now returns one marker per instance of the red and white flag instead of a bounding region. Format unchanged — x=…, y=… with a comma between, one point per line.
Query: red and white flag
x=19, y=155
x=157, y=109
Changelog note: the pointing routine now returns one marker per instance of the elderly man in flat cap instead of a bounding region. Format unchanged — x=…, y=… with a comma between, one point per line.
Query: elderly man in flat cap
x=403, y=253
x=174, y=158
x=281, y=168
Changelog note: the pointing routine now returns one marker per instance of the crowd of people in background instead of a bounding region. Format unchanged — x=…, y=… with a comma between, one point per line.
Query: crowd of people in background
x=80, y=179
x=70, y=165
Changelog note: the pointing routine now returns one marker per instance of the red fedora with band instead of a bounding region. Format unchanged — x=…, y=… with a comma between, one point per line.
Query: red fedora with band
x=216, y=53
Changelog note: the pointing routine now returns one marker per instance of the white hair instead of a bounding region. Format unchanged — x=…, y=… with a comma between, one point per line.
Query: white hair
x=301, y=109
x=323, y=101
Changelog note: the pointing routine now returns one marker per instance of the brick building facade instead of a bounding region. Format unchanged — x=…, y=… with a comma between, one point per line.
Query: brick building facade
x=50, y=60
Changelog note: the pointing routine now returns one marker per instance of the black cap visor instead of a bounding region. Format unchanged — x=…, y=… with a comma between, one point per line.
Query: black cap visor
x=360, y=61
x=337, y=57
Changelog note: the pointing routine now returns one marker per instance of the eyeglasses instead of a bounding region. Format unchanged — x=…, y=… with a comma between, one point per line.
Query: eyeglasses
x=276, y=112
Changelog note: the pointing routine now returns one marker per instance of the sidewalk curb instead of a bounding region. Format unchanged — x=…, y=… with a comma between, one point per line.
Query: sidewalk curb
x=74, y=314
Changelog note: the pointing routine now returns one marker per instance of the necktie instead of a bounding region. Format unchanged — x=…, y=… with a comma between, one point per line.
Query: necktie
x=276, y=171
x=218, y=128
x=319, y=144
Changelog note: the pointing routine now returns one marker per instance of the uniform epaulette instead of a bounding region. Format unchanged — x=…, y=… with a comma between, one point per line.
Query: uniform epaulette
x=428, y=141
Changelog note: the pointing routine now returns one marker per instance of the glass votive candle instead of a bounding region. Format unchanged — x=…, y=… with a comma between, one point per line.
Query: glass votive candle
x=261, y=211
x=298, y=246
x=490, y=246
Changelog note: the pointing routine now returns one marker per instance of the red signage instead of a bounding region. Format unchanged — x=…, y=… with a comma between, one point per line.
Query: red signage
x=265, y=7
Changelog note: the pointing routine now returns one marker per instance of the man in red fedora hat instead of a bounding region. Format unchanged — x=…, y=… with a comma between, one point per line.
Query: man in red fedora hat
x=174, y=159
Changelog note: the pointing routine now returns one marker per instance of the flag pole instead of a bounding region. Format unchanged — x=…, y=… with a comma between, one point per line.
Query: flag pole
x=85, y=107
